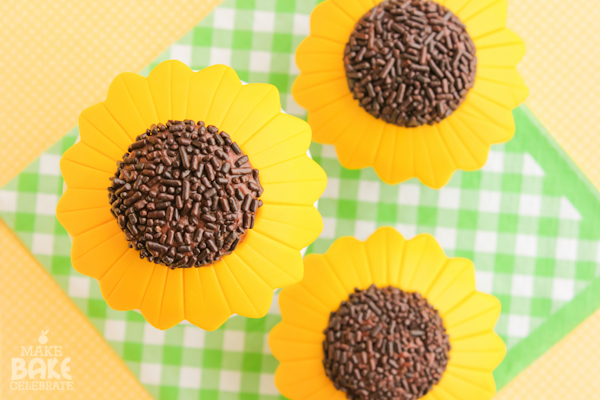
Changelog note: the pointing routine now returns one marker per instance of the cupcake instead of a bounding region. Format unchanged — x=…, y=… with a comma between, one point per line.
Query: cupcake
x=413, y=88
x=190, y=196
x=386, y=318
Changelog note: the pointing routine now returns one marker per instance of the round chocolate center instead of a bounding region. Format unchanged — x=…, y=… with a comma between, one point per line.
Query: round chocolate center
x=184, y=194
x=385, y=343
x=410, y=63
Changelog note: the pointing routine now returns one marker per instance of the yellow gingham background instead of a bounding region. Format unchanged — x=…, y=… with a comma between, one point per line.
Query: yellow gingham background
x=42, y=69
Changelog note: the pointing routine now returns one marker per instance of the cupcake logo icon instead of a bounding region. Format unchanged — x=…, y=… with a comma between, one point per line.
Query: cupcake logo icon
x=43, y=339
x=41, y=366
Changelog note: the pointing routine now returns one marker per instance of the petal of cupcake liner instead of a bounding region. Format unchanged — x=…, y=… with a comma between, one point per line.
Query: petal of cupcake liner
x=499, y=49
x=280, y=152
x=99, y=141
x=431, y=263
x=456, y=282
x=320, y=280
x=80, y=221
x=248, y=101
x=454, y=5
x=254, y=286
x=492, y=133
x=330, y=22
x=471, y=306
x=75, y=199
x=171, y=308
x=299, y=169
x=404, y=163
x=316, y=90
x=342, y=265
x=82, y=154
x=97, y=261
x=384, y=161
x=353, y=254
x=159, y=82
x=487, y=344
x=359, y=143
x=440, y=158
x=277, y=132
x=485, y=16
x=121, y=105
x=205, y=304
x=482, y=360
x=137, y=89
x=328, y=392
x=355, y=9
x=181, y=80
x=463, y=383
x=203, y=87
x=307, y=299
x=302, y=316
x=114, y=274
x=317, y=47
x=100, y=119
x=300, y=379
x=287, y=350
x=129, y=291
x=414, y=251
x=234, y=294
x=93, y=238
x=287, y=258
x=299, y=193
x=153, y=298
x=510, y=78
x=276, y=275
x=330, y=121
x=283, y=331
x=296, y=226
x=225, y=95
x=476, y=324
x=321, y=62
x=79, y=176
x=471, y=140
x=459, y=152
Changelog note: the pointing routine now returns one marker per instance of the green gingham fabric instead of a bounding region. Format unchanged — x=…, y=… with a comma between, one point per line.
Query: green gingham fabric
x=528, y=220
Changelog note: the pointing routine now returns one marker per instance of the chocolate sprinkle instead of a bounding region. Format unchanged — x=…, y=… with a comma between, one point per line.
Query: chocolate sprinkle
x=385, y=343
x=410, y=62
x=176, y=198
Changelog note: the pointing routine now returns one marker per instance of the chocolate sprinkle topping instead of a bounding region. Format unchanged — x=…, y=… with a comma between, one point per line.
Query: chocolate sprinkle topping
x=178, y=197
x=410, y=62
x=385, y=343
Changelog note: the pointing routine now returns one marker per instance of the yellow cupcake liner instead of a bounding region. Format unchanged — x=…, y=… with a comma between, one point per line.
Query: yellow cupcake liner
x=429, y=153
x=268, y=258
x=386, y=258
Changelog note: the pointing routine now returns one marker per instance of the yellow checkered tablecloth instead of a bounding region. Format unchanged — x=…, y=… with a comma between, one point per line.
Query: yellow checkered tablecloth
x=58, y=57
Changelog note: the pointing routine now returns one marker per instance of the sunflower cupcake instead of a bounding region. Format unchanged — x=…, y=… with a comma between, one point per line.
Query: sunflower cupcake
x=413, y=88
x=386, y=318
x=190, y=196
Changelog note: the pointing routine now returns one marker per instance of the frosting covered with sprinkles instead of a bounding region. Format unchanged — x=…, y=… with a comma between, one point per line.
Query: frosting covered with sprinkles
x=185, y=194
x=384, y=343
x=410, y=62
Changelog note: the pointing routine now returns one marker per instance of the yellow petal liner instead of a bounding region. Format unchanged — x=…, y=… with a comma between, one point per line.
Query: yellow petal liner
x=307, y=299
x=103, y=122
x=112, y=277
x=476, y=148
x=259, y=293
x=331, y=22
x=355, y=8
x=301, y=315
x=181, y=77
x=82, y=154
x=79, y=176
x=300, y=379
x=501, y=49
x=358, y=150
x=299, y=193
x=455, y=283
x=463, y=383
x=315, y=48
x=265, y=111
x=82, y=199
x=342, y=264
x=225, y=94
x=316, y=90
x=97, y=260
x=238, y=300
x=293, y=139
x=457, y=148
x=171, y=308
x=93, y=238
x=292, y=333
x=287, y=350
x=100, y=142
x=416, y=249
x=203, y=86
x=330, y=121
x=299, y=169
x=478, y=313
x=482, y=17
x=430, y=265
x=159, y=81
x=321, y=281
x=483, y=352
x=205, y=304
x=122, y=107
x=384, y=161
x=153, y=298
x=440, y=159
x=296, y=226
x=327, y=392
x=404, y=164
x=508, y=77
x=454, y=5
x=249, y=98
x=137, y=89
x=129, y=291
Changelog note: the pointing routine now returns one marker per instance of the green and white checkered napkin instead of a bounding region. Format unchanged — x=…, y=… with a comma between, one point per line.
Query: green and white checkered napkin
x=528, y=220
